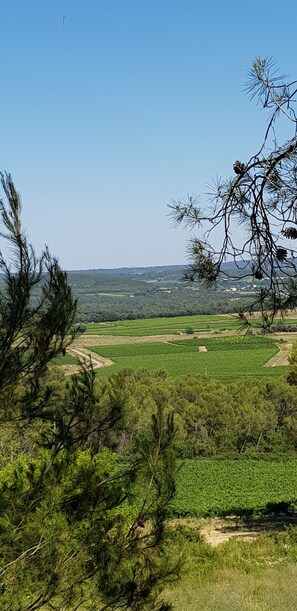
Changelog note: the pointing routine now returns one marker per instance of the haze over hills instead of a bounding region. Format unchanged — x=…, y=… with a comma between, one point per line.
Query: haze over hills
x=227, y=266
x=130, y=271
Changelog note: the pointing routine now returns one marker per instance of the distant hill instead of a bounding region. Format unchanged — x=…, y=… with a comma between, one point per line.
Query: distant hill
x=132, y=271
x=146, y=292
x=227, y=267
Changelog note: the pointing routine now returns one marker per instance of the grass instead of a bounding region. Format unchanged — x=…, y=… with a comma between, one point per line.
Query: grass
x=221, y=487
x=270, y=589
x=257, y=575
x=65, y=360
x=227, y=358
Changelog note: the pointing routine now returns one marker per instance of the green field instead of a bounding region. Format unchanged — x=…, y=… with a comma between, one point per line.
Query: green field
x=163, y=326
x=65, y=360
x=227, y=358
x=224, y=487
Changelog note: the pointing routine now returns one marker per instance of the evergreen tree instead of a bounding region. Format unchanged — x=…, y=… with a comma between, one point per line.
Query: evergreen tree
x=79, y=524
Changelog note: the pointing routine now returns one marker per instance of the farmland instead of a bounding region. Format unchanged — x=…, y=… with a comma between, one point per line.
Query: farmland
x=226, y=358
x=164, y=326
x=209, y=488
x=172, y=325
x=68, y=359
x=224, y=487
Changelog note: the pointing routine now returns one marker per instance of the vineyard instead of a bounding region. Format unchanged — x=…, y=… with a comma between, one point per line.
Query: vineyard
x=172, y=325
x=225, y=487
x=164, y=326
x=225, y=358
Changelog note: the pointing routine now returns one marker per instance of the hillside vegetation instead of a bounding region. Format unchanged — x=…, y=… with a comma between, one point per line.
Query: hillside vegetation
x=132, y=293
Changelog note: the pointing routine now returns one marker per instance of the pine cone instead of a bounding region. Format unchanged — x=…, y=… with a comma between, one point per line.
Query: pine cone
x=239, y=167
x=290, y=232
x=281, y=254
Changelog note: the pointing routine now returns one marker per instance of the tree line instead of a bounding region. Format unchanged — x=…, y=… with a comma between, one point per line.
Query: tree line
x=247, y=418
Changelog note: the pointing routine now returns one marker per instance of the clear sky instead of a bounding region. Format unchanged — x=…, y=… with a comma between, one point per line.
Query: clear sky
x=112, y=108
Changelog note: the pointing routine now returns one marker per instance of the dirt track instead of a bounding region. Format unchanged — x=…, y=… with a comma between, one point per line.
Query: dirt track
x=219, y=530
x=281, y=358
x=84, y=354
x=80, y=346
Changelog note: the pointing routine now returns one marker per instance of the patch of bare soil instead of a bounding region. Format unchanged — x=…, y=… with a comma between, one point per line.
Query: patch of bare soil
x=291, y=314
x=281, y=358
x=219, y=530
x=112, y=340
x=291, y=336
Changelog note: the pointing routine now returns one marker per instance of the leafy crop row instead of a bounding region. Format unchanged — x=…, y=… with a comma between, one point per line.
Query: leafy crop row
x=237, y=343
x=225, y=487
x=225, y=360
x=163, y=326
x=170, y=325
x=233, y=342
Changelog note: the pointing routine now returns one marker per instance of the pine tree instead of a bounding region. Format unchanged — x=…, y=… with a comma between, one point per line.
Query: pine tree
x=261, y=198
x=79, y=524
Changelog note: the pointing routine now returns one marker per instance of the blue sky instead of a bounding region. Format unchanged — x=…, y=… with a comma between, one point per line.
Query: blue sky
x=109, y=113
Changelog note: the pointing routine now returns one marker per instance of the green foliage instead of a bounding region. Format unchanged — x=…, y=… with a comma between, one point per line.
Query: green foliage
x=228, y=487
x=34, y=328
x=80, y=328
x=292, y=376
x=70, y=534
x=212, y=419
x=88, y=470
x=136, y=293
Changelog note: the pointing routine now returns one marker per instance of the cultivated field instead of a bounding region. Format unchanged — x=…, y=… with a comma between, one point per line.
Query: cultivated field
x=66, y=360
x=225, y=358
x=224, y=487
x=240, y=562
x=164, y=326
x=175, y=324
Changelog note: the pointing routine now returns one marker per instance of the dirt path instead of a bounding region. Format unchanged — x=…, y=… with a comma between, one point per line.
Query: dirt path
x=218, y=531
x=281, y=358
x=82, y=353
